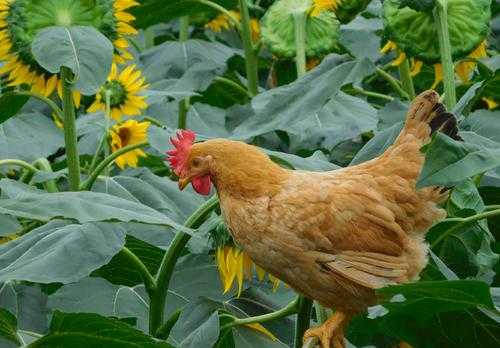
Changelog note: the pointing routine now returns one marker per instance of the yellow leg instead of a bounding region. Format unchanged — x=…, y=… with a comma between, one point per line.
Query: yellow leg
x=331, y=332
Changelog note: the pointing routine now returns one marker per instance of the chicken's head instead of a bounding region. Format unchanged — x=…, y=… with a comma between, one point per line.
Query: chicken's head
x=189, y=167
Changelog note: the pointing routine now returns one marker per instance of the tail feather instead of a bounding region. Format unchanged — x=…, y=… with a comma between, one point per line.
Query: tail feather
x=426, y=109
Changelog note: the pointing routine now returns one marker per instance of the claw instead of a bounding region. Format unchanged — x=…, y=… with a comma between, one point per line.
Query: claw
x=330, y=333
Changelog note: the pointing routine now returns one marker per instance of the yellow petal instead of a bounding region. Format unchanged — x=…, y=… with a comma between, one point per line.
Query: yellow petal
x=416, y=67
x=438, y=75
x=258, y=327
x=399, y=60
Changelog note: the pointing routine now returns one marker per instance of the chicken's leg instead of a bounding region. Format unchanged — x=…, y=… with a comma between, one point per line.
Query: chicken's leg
x=331, y=332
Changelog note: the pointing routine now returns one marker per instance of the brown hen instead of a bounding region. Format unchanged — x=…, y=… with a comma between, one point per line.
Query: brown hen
x=335, y=236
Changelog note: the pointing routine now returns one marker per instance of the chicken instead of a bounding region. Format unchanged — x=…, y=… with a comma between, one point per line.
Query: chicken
x=334, y=236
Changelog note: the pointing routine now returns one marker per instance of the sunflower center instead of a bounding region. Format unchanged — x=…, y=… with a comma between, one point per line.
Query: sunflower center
x=27, y=17
x=117, y=93
x=125, y=135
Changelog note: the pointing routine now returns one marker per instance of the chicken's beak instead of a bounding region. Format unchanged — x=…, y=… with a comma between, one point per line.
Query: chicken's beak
x=183, y=182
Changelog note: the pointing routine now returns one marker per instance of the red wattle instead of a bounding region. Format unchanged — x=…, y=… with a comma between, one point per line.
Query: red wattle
x=202, y=184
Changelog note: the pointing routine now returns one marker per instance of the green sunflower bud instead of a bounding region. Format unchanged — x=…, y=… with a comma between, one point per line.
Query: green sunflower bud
x=415, y=33
x=347, y=10
x=278, y=29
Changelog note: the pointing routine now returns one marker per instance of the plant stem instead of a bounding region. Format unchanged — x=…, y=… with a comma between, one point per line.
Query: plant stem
x=42, y=98
x=101, y=144
x=107, y=149
x=464, y=221
x=289, y=309
x=19, y=163
x=164, y=331
x=492, y=207
x=154, y=121
x=44, y=165
x=183, y=111
x=158, y=300
x=300, y=22
x=372, y=94
x=149, y=280
x=87, y=184
x=393, y=82
x=321, y=315
x=441, y=21
x=251, y=57
x=406, y=79
x=303, y=319
x=184, y=28
x=184, y=103
x=233, y=84
x=70, y=139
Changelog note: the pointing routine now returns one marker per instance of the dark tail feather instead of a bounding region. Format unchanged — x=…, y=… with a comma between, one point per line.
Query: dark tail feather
x=444, y=122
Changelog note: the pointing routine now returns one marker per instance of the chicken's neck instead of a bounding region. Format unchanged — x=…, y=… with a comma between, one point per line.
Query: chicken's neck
x=250, y=180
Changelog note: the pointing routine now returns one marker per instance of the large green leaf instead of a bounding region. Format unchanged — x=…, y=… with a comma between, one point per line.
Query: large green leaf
x=10, y=104
x=448, y=162
x=158, y=11
x=410, y=310
x=8, y=326
x=29, y=137
x=198, y=325
x=28, y=303
x=174, y=59
x=60, y=252
x=343, y=117
x=83, y=207
x=378, y=144
x=278, y=108
x=485, y=123
x=8, y=225
x=82, y=330
x=96, y=295
x=84, y=50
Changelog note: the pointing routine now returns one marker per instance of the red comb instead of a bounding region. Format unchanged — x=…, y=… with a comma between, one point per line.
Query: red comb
x=177, y=157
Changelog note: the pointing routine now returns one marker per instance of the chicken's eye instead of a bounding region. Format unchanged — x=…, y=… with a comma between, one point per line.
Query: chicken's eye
x=195, y=162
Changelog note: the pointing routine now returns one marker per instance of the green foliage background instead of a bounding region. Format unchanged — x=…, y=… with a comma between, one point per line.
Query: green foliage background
x=68, y=279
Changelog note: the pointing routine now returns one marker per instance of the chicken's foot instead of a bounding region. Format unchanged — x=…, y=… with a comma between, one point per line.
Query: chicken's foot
x=331, y=332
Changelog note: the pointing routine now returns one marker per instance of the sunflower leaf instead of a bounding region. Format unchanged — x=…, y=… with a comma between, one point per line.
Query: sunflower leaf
x=84, y=50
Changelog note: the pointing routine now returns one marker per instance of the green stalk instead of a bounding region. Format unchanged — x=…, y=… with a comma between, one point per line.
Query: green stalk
x=70, y=139
x=406, y=79
x=321, y=315
x=107, y=113
x=19, y=163
x=157, y=302
x=303, y=319
x=464, y=221
x=393, y=82
x=100, y=146
x=148, y=279
x=87, y=184
x=44, y=165
x=183, y=111
x=289, y=309
x=183, y=104
x=42, y=98
x=372, y=94
x=251, y=57
x=232, y=84
x=441, y=21
x=300, y=22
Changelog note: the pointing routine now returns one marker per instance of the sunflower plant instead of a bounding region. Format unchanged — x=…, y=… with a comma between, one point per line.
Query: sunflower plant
x=99, y=248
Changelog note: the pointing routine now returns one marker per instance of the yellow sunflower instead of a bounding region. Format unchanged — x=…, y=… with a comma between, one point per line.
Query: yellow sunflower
x=124, y=89
x=324, y=5
x=234, y=265
x=128, y=133
x=223, y=22
x=21, y=20
x=463, y=69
